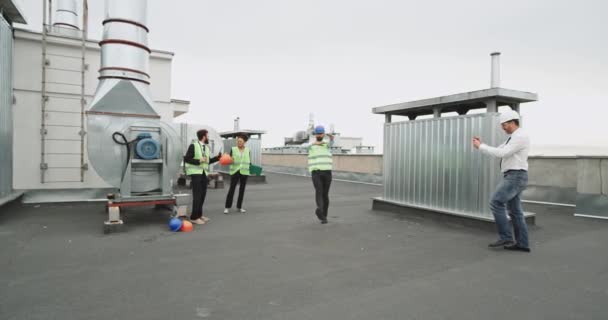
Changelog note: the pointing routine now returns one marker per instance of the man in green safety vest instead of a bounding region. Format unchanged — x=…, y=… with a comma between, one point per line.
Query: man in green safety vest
x=320, y=164
x=197, y=161
x=239, y=172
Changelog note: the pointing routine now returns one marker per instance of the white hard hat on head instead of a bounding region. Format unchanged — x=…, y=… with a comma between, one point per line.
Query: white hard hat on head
x=508, y=116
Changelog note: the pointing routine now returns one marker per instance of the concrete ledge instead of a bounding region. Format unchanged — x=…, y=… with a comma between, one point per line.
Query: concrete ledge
x=592, y=205
x=338, y=175
x=443, y=216
x=551, y=194
x=11, y=197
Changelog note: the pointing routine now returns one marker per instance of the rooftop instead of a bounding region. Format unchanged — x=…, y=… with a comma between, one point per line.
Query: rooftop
x=277, y=262
x=456, y=102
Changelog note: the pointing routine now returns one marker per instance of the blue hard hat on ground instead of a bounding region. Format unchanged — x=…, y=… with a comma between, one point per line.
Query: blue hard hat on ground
x=175, y=224
x=319, y=130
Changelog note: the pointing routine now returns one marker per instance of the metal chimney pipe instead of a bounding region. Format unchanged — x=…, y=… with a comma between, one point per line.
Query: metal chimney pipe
x=124, y=49
x=237, y=125
x=124, y=85
x=66, y=14
x=495, y=69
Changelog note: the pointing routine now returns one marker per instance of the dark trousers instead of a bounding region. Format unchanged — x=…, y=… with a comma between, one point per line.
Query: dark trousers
x=321, y=180
x=242, y=181
x=199, y=192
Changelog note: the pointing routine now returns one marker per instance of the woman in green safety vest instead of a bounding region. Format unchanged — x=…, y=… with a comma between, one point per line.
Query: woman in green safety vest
x=320, y=165
x=239, y=172
x=196, y=162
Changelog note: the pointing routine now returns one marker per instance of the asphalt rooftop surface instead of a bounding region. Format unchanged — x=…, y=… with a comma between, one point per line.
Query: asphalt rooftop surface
x=277, y=262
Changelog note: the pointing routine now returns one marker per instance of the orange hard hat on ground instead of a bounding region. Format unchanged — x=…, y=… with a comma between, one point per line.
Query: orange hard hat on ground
x=187, y=226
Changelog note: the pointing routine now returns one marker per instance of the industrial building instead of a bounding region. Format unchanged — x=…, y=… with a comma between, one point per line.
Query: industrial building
x=300, y=140
x=55, y=78
x=10, y=13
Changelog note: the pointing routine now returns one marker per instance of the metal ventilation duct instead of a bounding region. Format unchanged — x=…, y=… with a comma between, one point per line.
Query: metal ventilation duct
x=123, y=103
x=66, y=14
x=124, y=81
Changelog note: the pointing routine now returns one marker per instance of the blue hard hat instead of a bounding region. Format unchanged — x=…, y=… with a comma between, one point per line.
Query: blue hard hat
x=319, y=130
x=175, y=224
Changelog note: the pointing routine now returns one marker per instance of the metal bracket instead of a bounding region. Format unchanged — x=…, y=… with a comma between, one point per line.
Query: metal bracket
x=46, y=98
x=43, y=132
x=86, y=67
x=85, y=166
x=82, y=133
x=14, y=99
x=44, y=166
x=47, y=62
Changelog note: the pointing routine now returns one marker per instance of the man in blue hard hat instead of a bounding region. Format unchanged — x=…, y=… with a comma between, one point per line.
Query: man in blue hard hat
x=320, y=164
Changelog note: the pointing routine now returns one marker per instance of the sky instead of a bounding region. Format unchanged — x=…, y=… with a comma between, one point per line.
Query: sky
x=273, y=62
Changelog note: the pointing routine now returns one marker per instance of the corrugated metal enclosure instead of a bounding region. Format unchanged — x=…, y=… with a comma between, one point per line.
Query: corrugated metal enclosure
x=254, y=145
x=6, y=108
x=432, y=164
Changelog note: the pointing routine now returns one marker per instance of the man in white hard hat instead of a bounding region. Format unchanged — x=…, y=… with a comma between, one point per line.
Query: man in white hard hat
x=507, y=197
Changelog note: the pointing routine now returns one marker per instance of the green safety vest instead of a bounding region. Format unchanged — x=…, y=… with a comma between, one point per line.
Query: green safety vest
x=237, y=161
x=203, y=168
x=319, y=158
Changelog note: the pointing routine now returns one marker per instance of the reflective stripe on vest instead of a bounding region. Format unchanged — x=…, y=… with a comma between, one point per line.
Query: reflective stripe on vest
x=237, y=161
x=203, y=168
x=319, y=158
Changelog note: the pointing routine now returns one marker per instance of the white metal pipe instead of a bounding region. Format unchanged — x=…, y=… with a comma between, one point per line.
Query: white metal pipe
x=124, y=49
x=237, y=125
x=495, y=69
x=66, y=14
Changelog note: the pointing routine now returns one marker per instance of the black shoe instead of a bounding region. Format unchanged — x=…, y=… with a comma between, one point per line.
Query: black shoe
x=515, y=247
x=501, y=243
x=324, y=221
x=318, y=214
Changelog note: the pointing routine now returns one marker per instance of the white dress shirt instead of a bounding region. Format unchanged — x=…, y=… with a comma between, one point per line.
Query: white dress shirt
x=514, y=152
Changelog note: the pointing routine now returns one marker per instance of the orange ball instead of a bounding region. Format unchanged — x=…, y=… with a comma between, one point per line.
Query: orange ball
x=187, y=226
x=225, y=159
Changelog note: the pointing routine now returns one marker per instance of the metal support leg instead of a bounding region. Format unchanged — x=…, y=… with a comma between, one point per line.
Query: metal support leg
x=181, y=211
x=114, y=222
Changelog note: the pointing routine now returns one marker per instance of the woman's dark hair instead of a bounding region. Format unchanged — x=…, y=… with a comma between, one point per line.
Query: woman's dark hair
x=516, y=121
x=201, y=133
x=243, y=136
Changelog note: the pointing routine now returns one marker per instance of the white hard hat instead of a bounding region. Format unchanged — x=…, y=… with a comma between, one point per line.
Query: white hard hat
x=508, y=116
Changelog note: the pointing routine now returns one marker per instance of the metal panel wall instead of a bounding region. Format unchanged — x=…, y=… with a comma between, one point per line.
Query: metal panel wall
x=432, y=163
x=6, y=111
x=254, y=144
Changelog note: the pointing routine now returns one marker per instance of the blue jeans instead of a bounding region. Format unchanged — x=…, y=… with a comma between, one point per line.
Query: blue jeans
x=508, y=197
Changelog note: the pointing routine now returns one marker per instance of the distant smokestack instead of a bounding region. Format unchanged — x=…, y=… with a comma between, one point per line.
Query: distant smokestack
x=237, y=124
x=66, y=15
x=495, y=69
